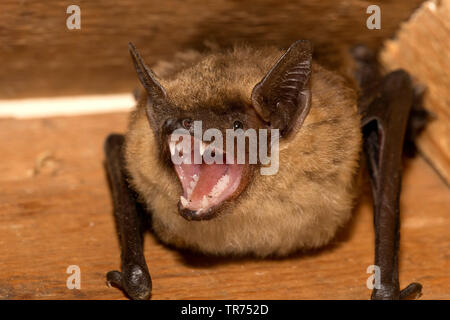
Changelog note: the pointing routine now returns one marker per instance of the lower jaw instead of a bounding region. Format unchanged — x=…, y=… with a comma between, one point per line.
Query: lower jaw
x=207, y=187
x=192, y=215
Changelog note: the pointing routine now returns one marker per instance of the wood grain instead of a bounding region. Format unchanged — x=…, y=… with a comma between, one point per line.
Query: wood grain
x=55, y=211
x=422, y=47
x=41, y=57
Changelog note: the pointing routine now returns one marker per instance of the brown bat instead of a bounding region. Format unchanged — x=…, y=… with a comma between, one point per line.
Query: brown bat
x=231, y=208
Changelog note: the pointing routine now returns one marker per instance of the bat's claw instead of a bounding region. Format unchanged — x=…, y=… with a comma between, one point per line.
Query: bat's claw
x=134, y=280
x=412, y=291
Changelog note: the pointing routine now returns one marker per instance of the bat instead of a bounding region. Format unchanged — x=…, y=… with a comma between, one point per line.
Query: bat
x=321, y=121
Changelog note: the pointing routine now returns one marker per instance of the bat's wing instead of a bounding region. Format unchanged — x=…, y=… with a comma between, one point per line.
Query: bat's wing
x=385, y=110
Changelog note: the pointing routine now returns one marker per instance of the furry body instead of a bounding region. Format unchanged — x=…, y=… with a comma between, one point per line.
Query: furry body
x=302, y=206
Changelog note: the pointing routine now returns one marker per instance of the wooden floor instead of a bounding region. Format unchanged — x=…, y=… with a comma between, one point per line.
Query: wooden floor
x=55, y=211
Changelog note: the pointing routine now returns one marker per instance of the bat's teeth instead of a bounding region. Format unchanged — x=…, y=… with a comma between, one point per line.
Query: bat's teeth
x=184, y=201
x=220, y=186
x=179, y=146
x=172, y=147
x=205, y=202
x=192, y=185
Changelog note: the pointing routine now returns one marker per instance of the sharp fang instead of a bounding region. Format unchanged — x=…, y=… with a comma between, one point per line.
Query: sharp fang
x=172, y=147
x=192, y=184
x=189, y=192
x=205, y=202
x=184, y=201
x=179, y=146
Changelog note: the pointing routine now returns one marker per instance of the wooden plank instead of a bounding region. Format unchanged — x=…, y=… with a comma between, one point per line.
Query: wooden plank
x=55, y=211
x=422, y=47
x=41, y=57
x=66, y=106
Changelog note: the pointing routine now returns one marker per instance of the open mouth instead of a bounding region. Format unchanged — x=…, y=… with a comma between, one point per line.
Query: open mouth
x=205, y=186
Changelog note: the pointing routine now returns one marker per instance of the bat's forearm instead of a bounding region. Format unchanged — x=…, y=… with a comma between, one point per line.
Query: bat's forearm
x=130, y=222
x=383, y=145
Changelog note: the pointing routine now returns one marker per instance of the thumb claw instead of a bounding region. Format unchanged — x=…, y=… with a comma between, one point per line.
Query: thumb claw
x=414, y=288
x=114, y=278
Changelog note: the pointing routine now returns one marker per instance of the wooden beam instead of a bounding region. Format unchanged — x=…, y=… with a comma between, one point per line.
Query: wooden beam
x=41, y=57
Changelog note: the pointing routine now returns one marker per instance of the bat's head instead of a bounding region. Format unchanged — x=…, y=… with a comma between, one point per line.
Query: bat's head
x=199, y=118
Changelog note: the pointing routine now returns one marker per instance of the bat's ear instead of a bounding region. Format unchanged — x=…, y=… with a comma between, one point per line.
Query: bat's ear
x=146, y=76
x=156, y=94
x=282, y=97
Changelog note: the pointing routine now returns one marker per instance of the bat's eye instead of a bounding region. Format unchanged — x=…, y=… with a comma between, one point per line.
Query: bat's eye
x=237, y=125
x=187, y=123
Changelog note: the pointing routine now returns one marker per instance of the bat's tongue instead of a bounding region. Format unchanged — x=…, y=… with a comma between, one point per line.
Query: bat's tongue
x=207, y=185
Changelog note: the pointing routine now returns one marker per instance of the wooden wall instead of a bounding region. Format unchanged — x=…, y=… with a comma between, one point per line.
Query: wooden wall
x=41, y=57
x=422, y=48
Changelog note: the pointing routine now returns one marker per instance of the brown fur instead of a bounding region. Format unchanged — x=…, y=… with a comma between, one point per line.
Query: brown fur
x=302, y=206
